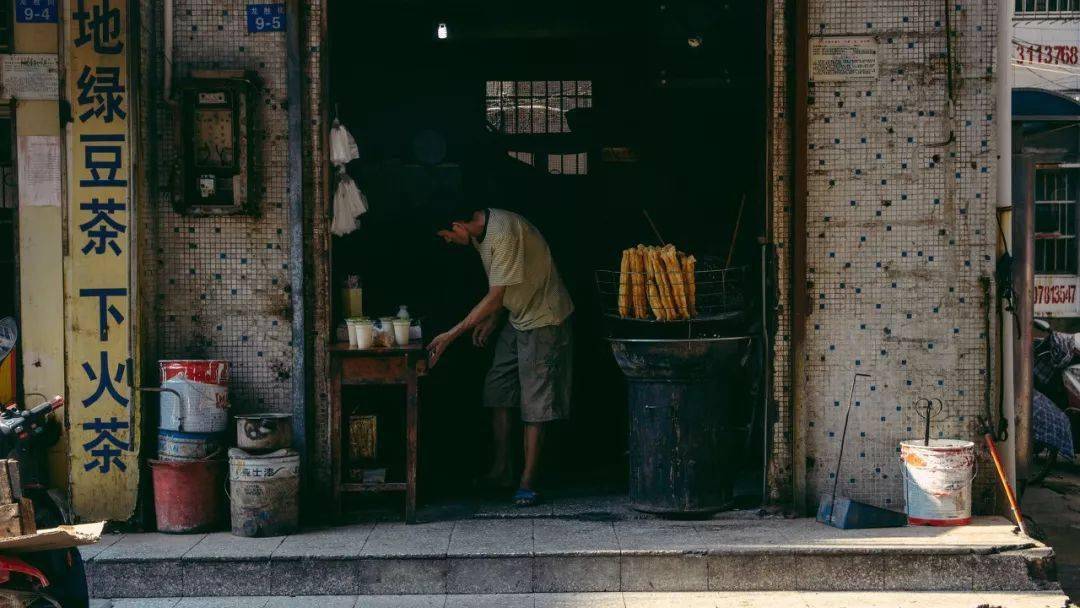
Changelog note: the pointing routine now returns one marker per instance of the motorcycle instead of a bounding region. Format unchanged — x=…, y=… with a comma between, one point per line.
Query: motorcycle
x=1056, y=398
x=42, y=578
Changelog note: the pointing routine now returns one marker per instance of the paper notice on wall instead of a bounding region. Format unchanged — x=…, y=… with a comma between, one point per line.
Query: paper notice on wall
x=29, y=77
x=39, y=171
x=841, y=58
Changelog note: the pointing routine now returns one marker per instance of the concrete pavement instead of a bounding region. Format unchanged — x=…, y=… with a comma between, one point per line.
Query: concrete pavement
x=621, y=600
x=524, y=556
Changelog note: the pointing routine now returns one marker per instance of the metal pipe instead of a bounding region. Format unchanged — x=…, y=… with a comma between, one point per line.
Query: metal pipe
x=799, y=290
x=1003, y=110
x=1023, y=233
x=296, y=232
x=168, y=51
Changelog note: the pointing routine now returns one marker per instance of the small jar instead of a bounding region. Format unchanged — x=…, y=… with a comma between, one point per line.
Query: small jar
x=403, y=312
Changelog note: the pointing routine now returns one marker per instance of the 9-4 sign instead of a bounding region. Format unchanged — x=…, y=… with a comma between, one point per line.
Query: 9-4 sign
x=35, y=11
x=265, y=18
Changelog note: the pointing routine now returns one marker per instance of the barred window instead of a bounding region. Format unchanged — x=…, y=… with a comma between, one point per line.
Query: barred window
x=1051, y=9
x=1056, y=220
x=520, y=109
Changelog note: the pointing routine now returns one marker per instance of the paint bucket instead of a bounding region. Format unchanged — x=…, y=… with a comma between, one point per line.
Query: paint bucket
x=937, y=481
x=203, y=386
x=259, y=433
x=187, y=495
x=264, y=492
x=174, y=445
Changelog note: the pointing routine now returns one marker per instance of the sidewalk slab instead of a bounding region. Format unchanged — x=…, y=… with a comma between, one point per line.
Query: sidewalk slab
x=521, y=556
x=786, y=599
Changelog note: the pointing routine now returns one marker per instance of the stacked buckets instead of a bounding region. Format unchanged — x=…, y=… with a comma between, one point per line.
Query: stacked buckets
x=191, y=443
x=264, y=477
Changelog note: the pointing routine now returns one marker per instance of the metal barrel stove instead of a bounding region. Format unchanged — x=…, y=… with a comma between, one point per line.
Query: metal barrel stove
x=684, y=443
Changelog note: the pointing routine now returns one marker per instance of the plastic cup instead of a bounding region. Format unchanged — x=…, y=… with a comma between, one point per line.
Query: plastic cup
x=401, y=331
x=365, y=333
x=351, y=325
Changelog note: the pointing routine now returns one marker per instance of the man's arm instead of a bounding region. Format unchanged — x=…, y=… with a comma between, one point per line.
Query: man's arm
x=489, y=305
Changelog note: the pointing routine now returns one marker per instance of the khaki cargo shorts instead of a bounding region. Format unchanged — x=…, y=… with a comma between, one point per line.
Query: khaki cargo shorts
x=532, y=370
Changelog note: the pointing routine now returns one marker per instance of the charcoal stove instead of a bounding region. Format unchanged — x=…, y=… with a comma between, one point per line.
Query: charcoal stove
x=685, y=395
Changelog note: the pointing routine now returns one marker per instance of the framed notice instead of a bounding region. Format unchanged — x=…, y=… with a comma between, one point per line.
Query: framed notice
x=29, y=77
x=843, y=58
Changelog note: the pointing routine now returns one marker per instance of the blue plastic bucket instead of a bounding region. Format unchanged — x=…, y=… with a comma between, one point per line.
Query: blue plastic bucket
x=177, y=446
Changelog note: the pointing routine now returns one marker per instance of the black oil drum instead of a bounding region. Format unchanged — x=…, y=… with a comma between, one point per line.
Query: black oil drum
x=683, y=441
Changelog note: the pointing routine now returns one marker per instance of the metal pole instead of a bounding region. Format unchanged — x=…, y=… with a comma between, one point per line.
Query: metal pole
x=799, y=293
x=1003, y=111
x=294, y=87
x=1023, y=231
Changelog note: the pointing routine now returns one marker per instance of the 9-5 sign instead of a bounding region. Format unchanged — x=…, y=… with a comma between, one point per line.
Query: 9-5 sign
x=265, y=18
x=35, y=11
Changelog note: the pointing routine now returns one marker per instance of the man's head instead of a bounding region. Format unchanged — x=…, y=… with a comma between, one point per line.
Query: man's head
x=458, y=222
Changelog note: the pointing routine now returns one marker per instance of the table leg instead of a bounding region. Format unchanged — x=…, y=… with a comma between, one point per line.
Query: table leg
x=411, y=415
x=335, y=437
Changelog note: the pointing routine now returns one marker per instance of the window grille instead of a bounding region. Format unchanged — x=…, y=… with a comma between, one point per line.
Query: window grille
x=519, y=109
x=1056, y=220
x=1047, y=9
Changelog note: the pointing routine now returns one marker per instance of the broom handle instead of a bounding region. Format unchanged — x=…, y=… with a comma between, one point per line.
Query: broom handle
x=1005, y=484
x=843, y=434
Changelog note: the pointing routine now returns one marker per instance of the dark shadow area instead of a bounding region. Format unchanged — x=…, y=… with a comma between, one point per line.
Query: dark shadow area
x=579, y=116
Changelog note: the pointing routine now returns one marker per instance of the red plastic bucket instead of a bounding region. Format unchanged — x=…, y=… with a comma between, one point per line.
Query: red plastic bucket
x=187, y=495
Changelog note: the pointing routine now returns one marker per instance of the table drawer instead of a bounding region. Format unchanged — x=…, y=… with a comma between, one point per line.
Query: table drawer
x=363, y=370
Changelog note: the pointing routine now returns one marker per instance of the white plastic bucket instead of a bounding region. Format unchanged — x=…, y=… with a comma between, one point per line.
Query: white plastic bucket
x=937, y=481
x=264, y=492
x=203, y=406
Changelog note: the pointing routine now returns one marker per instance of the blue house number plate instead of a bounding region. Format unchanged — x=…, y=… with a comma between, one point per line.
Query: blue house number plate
x=265, y=18
x=35, y=11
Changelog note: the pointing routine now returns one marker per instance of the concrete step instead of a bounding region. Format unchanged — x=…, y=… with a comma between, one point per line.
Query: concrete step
x=564, y=556
x=883, y=599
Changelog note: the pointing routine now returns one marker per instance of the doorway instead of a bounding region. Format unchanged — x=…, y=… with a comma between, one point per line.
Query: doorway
x=606, y=125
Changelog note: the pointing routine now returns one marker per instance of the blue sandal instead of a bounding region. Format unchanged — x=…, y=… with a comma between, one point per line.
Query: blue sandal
x=526, y=498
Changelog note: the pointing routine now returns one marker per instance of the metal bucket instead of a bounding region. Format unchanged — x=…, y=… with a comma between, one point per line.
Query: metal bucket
x=203, y=386
x=264, y=492
x=937, y=481
x=187, y=495
x=263, y=432
x=174, y=445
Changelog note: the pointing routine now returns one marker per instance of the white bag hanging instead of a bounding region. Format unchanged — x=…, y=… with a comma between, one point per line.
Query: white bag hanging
x=343, y=147
x=349, y=204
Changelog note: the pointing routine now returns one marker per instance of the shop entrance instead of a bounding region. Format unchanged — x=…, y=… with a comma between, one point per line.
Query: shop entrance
x=606, y=124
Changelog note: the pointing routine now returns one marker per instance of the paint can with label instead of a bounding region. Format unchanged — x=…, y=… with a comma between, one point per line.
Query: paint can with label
x=197, y=399
x=937, y=481
x=264, y=492
x=174, y=445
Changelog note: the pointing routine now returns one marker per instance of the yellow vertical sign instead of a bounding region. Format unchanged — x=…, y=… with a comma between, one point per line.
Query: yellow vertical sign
x=104, y=426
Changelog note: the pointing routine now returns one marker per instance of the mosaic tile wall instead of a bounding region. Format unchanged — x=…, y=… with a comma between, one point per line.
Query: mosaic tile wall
x=223, y=281
x=900, y=239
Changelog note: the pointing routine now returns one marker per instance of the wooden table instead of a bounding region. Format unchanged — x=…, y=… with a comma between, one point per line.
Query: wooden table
x=376, y=367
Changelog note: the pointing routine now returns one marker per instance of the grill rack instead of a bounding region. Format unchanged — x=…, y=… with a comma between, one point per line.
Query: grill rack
x=720, y=296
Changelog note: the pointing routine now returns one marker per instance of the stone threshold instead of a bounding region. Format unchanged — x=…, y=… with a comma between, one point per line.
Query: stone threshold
x=556, y=555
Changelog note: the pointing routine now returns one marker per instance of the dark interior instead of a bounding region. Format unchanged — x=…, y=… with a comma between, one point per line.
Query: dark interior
x=675, y=127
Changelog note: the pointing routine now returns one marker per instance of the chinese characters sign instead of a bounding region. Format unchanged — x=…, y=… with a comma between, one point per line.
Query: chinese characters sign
x=104, y=466
x=35, y=11
x=265, y=18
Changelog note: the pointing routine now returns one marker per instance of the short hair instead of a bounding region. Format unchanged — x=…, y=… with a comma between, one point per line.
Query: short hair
x=450, y=207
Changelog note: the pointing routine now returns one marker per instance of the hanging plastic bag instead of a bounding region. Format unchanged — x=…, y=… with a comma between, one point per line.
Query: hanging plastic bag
x=343, y=147
x=349, y=204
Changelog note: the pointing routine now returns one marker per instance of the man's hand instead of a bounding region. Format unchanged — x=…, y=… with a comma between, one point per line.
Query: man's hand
x=482, y=331
x=438, y=346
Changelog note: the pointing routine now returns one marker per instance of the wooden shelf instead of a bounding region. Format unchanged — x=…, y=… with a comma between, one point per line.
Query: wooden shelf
x=373, y=487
